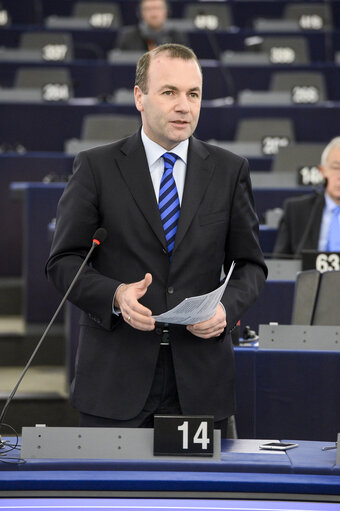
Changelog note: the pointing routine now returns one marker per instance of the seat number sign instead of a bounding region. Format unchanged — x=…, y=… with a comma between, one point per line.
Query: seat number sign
x=182, y=435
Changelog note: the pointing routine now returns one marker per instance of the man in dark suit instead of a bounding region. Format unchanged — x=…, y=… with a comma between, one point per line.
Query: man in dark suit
x=129, y=367
x=152, y=29
x=307, y=220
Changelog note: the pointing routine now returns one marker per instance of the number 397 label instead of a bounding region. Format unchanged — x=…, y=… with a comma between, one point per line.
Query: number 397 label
x=182, y=435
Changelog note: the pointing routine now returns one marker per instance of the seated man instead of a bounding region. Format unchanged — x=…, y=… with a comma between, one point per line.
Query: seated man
x=313, y=221
x=151, y=31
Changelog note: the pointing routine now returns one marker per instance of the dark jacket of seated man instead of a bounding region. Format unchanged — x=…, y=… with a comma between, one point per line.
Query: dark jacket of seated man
x=300, y=224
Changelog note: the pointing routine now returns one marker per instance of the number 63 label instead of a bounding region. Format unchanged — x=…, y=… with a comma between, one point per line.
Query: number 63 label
x=183, y=435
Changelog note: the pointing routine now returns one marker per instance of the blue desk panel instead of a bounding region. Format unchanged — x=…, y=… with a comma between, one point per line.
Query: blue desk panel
x=297, y=392
x=26, y=167
x=40, y=297
x=309, y=472
x=275, y=304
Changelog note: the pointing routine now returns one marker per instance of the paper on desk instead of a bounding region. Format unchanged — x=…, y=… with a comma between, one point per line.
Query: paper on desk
x=196, y=308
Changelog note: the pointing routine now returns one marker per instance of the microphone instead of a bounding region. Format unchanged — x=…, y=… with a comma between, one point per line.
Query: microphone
x=98, y=238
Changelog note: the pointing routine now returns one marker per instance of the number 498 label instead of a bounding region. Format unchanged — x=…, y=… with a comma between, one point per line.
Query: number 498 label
x=183, y=435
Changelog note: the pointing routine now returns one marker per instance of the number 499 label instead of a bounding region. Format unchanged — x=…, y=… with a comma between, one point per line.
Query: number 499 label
x=182, y=435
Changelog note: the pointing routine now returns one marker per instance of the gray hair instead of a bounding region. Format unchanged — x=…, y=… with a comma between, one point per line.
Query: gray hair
x=335, y=142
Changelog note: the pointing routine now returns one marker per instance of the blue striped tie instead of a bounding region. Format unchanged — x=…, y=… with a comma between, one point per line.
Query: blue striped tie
x=168, y=203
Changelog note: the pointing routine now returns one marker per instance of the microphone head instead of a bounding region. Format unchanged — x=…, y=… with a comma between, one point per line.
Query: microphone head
x=99, y=236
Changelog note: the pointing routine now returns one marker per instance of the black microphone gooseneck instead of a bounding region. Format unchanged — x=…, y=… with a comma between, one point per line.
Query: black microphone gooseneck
x=98, y=237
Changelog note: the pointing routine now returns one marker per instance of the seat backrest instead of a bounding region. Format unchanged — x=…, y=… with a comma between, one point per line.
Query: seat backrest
x=209, y=15
x=55, y=83
x=123, y=96
x=286, y=50
x=54, y=46
x=327, y=305
x=305, y=297
x=99, y=14
x=270, y=133
x=302, y=160
x=310, y=16
x=109, y=127
x=117, y=56
x=304, y=87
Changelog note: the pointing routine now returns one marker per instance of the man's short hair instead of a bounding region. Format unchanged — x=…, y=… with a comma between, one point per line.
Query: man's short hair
x=174, y=51
x=335, y=142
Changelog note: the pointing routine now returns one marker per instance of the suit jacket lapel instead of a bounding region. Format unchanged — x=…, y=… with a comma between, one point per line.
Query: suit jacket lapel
x=135, y=171
x=198, y=174
x=316, y=219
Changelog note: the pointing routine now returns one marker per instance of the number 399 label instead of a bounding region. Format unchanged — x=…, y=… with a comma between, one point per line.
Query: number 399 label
x=183, y=435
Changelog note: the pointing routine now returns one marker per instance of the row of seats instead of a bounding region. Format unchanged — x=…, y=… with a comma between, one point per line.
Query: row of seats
x=289, y=15
x=230, y=47
x=57, y=84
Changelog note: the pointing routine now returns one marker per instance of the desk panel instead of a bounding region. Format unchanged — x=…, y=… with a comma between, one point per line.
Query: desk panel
x=40, y=297
x=275, y=304
x=27, y=167
x=297, y=392
x=240, y=471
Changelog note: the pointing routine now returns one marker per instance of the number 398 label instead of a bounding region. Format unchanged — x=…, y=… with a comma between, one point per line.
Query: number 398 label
x=183, y=435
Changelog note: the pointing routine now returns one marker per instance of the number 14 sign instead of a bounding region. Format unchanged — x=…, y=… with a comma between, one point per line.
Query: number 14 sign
x=183, y=435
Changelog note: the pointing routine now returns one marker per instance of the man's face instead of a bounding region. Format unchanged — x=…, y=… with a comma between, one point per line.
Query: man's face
x=331, y=171
x=154, y=13
x=171, y=107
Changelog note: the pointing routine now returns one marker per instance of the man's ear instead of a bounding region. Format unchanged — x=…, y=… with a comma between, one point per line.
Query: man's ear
x=322, y=170
x=138, y=98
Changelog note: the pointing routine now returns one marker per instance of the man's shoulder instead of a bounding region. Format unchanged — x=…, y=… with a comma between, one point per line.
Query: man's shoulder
x=305, y=201
x=111, y=148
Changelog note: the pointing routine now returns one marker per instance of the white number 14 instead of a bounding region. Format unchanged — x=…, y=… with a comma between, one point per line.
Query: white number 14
x=201, y=435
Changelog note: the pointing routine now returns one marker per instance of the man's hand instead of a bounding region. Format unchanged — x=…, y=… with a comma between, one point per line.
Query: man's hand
x=212, y=327
x=134, y=313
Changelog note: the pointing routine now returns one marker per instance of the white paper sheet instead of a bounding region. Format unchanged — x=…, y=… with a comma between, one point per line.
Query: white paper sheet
x=196, y=308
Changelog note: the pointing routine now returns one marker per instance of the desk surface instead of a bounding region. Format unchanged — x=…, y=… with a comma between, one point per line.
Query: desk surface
x=305, y=470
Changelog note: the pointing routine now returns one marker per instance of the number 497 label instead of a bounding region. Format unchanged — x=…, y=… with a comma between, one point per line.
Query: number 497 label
x=182, y=435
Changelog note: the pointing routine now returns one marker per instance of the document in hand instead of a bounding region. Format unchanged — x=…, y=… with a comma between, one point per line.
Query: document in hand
x=196, y=308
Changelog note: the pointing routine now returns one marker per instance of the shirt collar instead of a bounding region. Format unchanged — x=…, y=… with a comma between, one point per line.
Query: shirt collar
x=154, y=151
x=330, y=204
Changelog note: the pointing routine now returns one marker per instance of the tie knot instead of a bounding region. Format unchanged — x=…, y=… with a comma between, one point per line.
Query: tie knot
x=169, y=159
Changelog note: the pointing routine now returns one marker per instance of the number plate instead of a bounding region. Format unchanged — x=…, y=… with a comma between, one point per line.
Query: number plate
x=183, y=435
x=321, y=261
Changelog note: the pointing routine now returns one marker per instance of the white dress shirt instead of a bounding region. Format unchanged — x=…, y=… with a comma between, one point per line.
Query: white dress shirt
x=327, y=214
x=154, y=154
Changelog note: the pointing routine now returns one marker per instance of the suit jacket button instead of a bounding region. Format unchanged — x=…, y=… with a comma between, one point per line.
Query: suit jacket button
x=159, y=331
x=170, y=290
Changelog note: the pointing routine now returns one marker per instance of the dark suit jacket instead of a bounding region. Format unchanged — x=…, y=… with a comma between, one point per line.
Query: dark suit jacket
x=300, y=224
x=131, y=38
x=112, y=187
